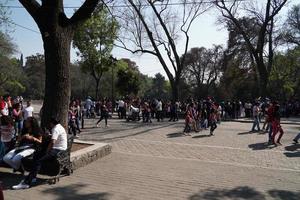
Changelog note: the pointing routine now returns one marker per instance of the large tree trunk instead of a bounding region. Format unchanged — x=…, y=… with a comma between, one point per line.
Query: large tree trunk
x=97, y=88
x=263, y=78
x=57, y=31
x=57, y=86
x=175, y=90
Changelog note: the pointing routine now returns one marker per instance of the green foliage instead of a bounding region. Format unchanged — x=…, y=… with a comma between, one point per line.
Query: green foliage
x=7, y=48
x=285, y=76
x=35, y=76
x=10, y=72
x=291, y=31
x=129, y=81
x=160, y=87
x=94, y=40
x=202, y=70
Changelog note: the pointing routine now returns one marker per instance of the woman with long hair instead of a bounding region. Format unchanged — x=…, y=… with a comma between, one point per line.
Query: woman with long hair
x=27, y=142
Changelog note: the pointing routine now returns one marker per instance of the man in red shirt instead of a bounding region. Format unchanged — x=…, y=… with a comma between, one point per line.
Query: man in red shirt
x=270, y=114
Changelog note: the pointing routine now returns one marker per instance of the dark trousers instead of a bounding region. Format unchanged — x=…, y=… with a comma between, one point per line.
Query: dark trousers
x=38, y=164
x=159, y=115
x=213, y=126
x=105, y=117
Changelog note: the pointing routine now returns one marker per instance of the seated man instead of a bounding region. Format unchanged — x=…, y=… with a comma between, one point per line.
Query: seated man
x=58, y=143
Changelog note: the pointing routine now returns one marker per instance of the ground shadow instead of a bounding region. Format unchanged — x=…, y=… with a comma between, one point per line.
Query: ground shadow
x=131, y=134
x=73, y=192
x=284, y=195
x=10, y=179
x=293, y=147
x=244, y=193
x=174, y=135
x=201, y=136
x=252, y=132
x=246, y=133
x=238, y=193
x=292, y=154
x=261, y=146
x=294, y=151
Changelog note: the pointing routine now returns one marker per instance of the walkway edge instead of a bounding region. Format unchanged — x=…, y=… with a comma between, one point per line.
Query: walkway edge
x=89, y=154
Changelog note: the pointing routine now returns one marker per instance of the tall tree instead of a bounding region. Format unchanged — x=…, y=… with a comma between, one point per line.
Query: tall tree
x=7, y=47
x=35, y=73
x=263, y=42
x=202, y=68
x=291, y=33
x=57, y=32
x=128, y=79
x=285, y=75
x=94, y=40
x=155, y=27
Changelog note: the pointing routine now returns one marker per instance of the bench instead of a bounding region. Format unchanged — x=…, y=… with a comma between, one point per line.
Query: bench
x=55, y=168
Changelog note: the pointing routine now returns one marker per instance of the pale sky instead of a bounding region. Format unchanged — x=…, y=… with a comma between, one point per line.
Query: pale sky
x=204, y=33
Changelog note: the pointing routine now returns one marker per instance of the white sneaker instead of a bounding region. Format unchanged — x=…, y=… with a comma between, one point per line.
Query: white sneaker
x=21, y=186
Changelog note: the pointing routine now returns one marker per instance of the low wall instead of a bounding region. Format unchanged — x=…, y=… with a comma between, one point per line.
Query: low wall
x=89, y=154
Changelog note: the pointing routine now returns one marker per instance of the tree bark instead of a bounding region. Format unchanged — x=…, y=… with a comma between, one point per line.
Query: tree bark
x=57, y=85
x=97, y=89
x=175, y=90
x=57, y=32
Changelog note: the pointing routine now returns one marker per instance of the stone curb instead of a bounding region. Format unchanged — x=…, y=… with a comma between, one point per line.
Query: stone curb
x=89, y=154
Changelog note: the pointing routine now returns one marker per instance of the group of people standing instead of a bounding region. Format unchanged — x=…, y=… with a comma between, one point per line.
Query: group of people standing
x=272, y=114
x=201, y=115
x=131, y=109
x=13, y=115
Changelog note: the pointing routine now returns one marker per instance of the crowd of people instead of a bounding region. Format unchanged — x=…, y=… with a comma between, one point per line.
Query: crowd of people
x=21, y=136
x=199, y=115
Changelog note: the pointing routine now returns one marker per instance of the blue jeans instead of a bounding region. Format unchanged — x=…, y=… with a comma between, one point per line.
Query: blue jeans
x=18, y=127
x=297, y=137
x=256, y=123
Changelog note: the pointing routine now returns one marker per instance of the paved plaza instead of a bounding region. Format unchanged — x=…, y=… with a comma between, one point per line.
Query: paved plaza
x=155, y=161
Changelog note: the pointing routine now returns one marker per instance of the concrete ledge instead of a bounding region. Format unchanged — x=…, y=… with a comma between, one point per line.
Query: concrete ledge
x=89, y=154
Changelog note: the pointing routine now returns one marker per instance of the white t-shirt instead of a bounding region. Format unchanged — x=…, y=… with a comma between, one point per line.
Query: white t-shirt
x=121, y=104
x=159, y=106
x=88, y=104
x=28, y=112
x=60, y=136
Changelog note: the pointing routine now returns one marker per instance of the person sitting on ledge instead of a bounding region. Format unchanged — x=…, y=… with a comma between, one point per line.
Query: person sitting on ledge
x=58, y=143
x=28, y=141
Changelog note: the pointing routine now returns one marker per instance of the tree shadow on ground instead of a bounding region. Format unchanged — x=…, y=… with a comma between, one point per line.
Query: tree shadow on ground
x=294, y=151
x=116, y=137
x=73, y=192
x=244, y=193
x=261, y=146
x=284, y=195
x=238, y=193
x=10, y=179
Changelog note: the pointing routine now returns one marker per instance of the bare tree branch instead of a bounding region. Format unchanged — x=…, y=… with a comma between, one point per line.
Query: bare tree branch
x=84, y=12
